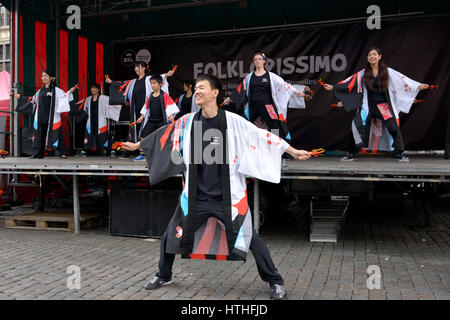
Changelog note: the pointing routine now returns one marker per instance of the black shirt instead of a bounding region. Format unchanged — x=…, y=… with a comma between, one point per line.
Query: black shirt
x=185, y=107
x=209, y=179
x=155, y=108
x=139, y=94
x=45, y=100
x=260, y=89
x=94, y=116
x=375, y=95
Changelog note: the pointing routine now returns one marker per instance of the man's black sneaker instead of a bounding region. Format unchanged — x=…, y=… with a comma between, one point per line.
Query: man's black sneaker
x=400, y=156
x=36, y=156
x=348, y=157
x=278, y=292
x=156, y=283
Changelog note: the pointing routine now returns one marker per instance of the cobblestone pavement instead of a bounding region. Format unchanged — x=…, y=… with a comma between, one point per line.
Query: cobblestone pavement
x=414, y=264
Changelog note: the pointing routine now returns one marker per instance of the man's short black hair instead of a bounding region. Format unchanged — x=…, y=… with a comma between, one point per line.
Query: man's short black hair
x=214, y=82
x=95, y=85
x=157, y=78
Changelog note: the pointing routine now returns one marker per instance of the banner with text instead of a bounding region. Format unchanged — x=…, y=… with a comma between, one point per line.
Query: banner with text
x=417, y=48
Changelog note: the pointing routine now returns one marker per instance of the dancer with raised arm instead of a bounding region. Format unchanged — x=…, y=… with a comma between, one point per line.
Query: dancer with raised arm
x=265, y=97
x=136, y=92
x=215, y=150
x=97, y=110
x=49, y=102
x=379, y=94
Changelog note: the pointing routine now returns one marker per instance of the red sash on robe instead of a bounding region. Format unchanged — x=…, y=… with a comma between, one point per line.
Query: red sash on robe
x=384, y=110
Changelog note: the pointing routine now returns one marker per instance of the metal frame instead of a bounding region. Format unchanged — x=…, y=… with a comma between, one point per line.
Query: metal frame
x=99, y=8
x=274, y=27
x=16, y=78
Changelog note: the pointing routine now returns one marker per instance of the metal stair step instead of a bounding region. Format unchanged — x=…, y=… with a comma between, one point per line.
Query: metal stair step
x=323, y=237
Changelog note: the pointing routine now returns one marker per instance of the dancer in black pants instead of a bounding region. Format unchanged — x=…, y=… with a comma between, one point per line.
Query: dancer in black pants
x=206, y=209
x=137, y=91
x=264, y=97
x=49, y=102
x=213, y=220
x=379, y=94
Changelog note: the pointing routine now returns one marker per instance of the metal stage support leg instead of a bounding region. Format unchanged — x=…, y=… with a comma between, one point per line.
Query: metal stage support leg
x=41, y=197
x=256, y=205
x=429, y=196
x=371, y=196
x=76, y=205
x=430, y=199
x=427, y=205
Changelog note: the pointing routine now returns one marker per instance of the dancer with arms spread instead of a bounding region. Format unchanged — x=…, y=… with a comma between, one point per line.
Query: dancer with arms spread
x=379, y=94
x=97, y=111
x=265, y=97
x=136, y=91
x=215, y=150
x=49, y=102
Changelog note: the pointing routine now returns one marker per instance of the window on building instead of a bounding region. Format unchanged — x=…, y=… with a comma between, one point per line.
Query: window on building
x=4, y=17
x=5, y=57
x=7, y=52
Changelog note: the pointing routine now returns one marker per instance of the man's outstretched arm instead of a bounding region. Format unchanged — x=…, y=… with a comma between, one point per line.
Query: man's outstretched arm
x=130, y=146
x=298, y=154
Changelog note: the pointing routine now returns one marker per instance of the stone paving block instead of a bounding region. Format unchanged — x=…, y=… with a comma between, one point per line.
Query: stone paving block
x=118, y=267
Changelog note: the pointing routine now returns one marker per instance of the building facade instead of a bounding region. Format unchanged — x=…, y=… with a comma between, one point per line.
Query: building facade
x=5, y=48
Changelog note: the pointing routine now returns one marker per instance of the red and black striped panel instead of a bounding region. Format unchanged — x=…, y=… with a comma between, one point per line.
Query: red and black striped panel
x=211, y=239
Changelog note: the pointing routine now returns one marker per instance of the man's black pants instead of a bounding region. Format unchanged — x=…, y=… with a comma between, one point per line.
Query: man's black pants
x=206, y=209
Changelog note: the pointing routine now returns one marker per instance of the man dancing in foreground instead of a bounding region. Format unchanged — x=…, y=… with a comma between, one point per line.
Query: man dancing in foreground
x=215, y=150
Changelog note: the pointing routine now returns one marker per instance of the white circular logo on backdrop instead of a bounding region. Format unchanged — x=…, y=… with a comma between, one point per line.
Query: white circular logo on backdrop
x=128, y=58
x=143, y=55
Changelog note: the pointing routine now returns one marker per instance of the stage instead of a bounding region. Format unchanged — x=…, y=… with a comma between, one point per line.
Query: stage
x=75, y=166
x=421, y=168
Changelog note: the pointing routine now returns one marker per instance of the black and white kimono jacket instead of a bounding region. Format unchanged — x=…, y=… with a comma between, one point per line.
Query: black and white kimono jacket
x=100, y=138
x=59, y=104
x=281, y=93
x=353, y=94
x=128, y=93
x=250, y=152
x=168, y=108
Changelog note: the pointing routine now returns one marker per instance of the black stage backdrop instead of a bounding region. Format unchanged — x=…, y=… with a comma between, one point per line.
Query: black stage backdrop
x=418, y=48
